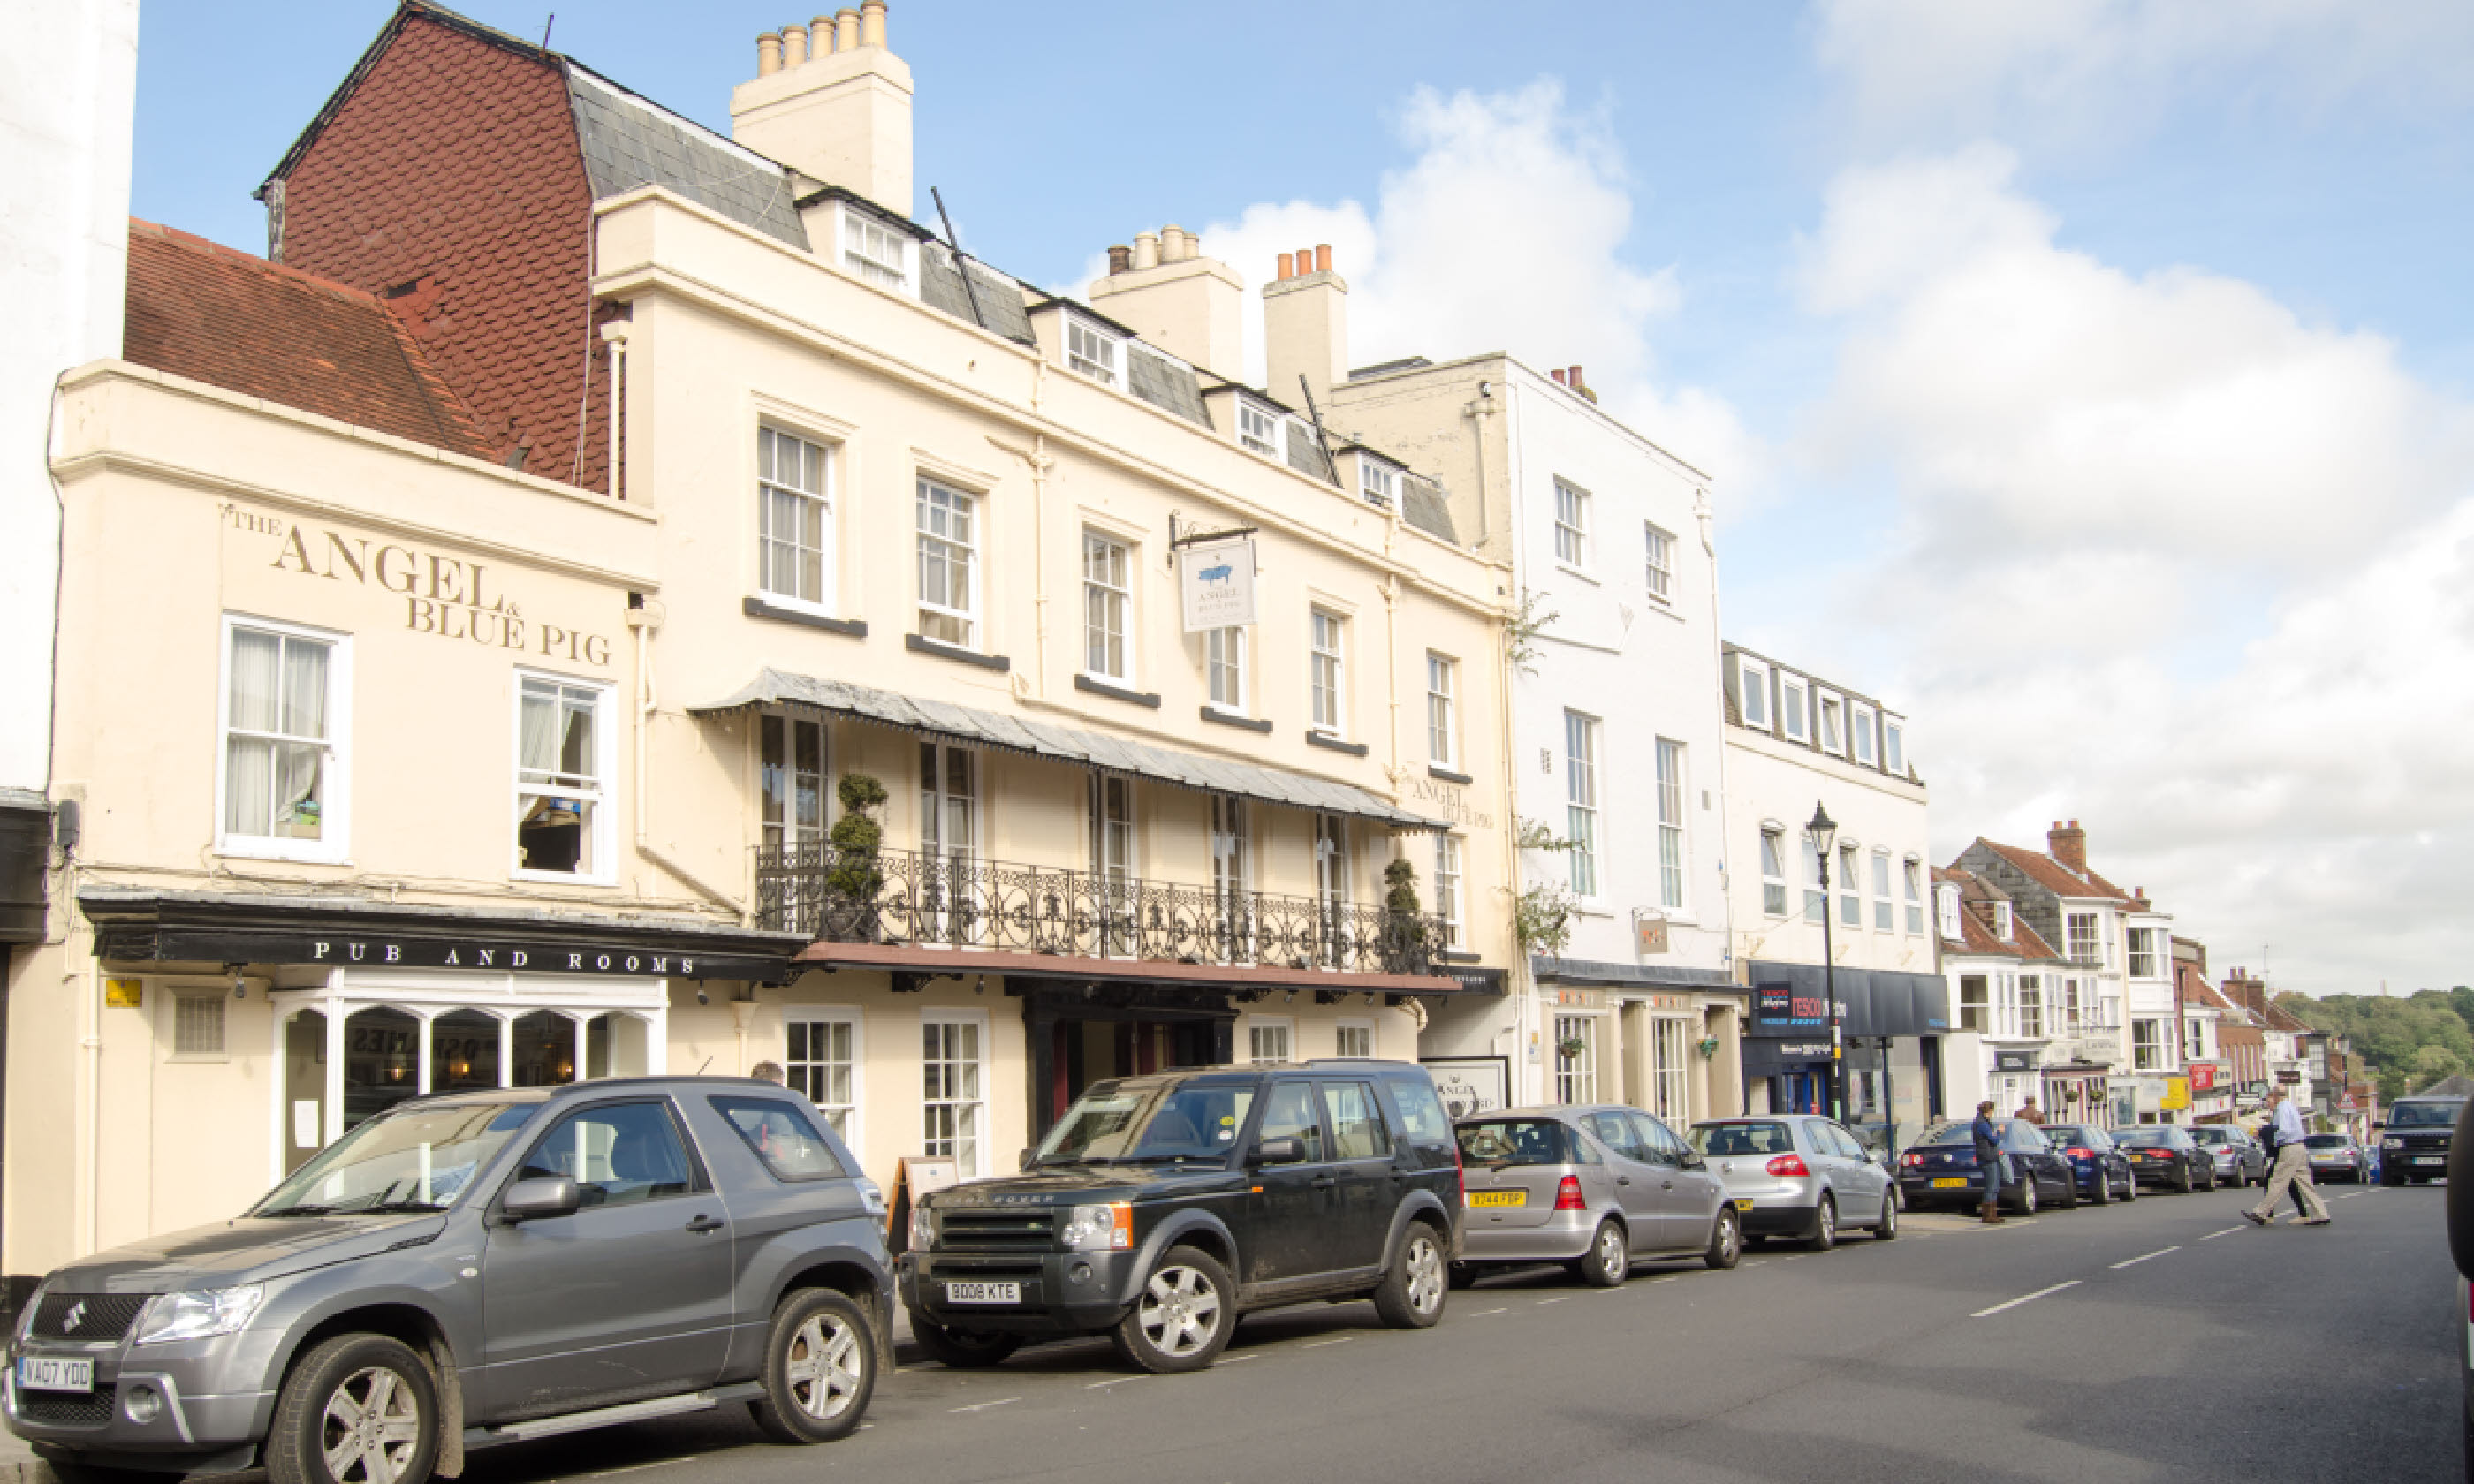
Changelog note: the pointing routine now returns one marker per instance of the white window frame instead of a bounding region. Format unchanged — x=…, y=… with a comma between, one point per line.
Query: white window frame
x=1442, y=711
x=2093, y=936
x=785, y=832
x=1884, y=908
x=862, y=244
x=2149, y=1058
x=1795, y=721
x=1340, y=1038
x=1946, y=910
x=1861, y=723
x=1670, y=1063
x=1894, y=747
x=1094, y=352
x=2002, y=921
x=963, y=554
x=1584, y=802
x=1850, y=888
x=1327, y=672
x=1449, y=886
x=820, y=500
x=1914, y=870
x=1576, y=1078
x=333, y=844
x=603, y=869
x=854, y=1112
x=2133, y=953
x=1261, y=430
x=1674, y=855
x=977, y=1164
x=1379, y=483
x=1752, y=694
x=1816, y=897
x=1109, y=605
x=1976, y=1015
x=1571, y=526
x=1259, y=1028
x=1658, y=561
x=1223, y=659
x=1822, y=702
x=1773, y=862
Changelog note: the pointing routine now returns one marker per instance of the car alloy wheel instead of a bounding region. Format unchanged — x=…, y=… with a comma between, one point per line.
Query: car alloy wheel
x=1411, y=1295
x=357, y=1409
x=1178, y=1312
x=371, y=1427
x=1610, y=1260
x=818, y=1368
x=1824, y=1226
x=1725, y=1239
x=2028, y=1196
x=1887, y=1229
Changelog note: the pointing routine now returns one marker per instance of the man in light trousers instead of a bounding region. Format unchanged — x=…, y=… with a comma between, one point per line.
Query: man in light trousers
x=2292, y=1169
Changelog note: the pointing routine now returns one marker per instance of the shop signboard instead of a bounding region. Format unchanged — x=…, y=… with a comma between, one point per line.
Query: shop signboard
x=1471, y=1085
x=2203, y=1077
x=2176, y=1095
x=2018, y=1061
x=1216, y=579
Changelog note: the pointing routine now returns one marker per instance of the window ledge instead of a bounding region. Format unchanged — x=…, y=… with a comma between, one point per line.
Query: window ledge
x=560, y=878
x=1099, y=687
x=1325, y=739
x=765, y=607
x=1450, y=956
x=1436, y=770
x=1583, y=573
x=250, y=850
x=1213, y=713
x=921, y=644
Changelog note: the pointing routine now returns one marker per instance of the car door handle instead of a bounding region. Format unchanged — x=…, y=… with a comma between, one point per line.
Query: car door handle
x=1323, y=1182
x=1623, y=1179
x=1666, y=1184
x=701, y=1222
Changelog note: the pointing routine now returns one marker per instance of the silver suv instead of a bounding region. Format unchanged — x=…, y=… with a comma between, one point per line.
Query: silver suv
x=476, y=1269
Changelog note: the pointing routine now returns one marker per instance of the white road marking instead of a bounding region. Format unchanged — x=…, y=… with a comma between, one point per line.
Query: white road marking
x=984, y=1406
x=1485, y=1312
x=2213, y=1235
x=1320, y=1343
x=2024, y=1299
x=1566, y=1299
x=2158, y=1252
x=1230, y=1361
x=1118, y=1381
x=1668, y=1279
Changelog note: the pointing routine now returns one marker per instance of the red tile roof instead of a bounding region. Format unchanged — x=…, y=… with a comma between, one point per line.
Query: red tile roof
x=2055, y=876
x=211, y=314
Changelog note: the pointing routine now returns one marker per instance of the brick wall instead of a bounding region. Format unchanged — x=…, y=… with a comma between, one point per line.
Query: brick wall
x=453, y=167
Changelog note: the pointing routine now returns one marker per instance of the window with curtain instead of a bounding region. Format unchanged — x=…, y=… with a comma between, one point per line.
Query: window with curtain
x=1447, y=887
x=1850, y=892
x=1331, y=885
x=282, y=761
x=1107, y=602
x=793, y=495
x=1231, y=880
x=875, y=252
x=1774, y=873
x=949, y=580
x=2031, y=1005
x=1268, y=1038
x=1353, y=1038
x=1670, y=1069
x=1661, y=563
x=1581, y=800
x=560, y=777
x=1671, y=824
x=1324, y=671
x=1915, y=896
x=821, y=1061
x=1442, y=727
x=790, y=780
x=1571, y=525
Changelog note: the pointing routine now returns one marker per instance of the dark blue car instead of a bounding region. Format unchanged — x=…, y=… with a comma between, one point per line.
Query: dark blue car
x=2103, y=1170
x=1940, y=1170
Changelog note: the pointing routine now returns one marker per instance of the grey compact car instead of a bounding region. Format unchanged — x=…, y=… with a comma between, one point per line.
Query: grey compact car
x=2240, y=1161
x=476, y=1269
x=1596, y=1188
x=1800, y=1176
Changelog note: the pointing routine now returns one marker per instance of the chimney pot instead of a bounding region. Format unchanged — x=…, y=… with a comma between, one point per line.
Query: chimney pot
x=794, y=46
x=1172, y=244
x=1121, y=259
x=1146, y=249
x=1322, y=257
x=820, y=36
x=846, y=31
x=1576, y=378
x=1306, y=262
x=871, y=23
x=769, y=54
x=1557, y=374
x=1288, y=265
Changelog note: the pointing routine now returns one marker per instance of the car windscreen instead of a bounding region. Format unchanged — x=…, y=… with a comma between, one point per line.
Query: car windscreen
x=1496, y=1142
x=2326, y=1141
x=2211, y=1137
x=1109, y=1124
x=1954, y=1134
x=2075, y=1133
x=2146, y=1138
x=2423, y=1116
x=1720, y=1140
x=418, y=1159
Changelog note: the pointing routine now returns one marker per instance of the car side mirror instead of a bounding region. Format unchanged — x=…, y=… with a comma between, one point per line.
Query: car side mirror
x=1870, y=1158
x=1028, y=1156
x=532, y=1200
x=1287, y=1149
x=1692, y=1160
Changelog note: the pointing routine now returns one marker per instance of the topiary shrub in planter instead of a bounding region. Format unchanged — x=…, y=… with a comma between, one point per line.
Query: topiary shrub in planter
x=854, y=880
x=1405, y=939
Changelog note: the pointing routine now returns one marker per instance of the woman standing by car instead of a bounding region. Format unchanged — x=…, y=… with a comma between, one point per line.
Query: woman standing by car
x=1988, y=1159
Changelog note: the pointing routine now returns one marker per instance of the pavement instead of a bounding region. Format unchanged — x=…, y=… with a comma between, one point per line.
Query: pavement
x=2166, y=1339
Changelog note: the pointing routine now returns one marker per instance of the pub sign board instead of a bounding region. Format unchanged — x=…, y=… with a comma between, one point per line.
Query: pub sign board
x=492, y=953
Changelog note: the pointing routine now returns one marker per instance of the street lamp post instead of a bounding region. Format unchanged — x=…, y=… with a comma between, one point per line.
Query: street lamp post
x=1821, y=834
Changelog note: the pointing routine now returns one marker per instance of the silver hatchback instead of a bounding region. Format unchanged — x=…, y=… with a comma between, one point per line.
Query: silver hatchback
x=1595, y=1187
x=1799, y=1176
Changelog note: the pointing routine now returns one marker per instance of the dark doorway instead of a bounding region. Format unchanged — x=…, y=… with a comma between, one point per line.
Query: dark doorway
x=1083, y=1034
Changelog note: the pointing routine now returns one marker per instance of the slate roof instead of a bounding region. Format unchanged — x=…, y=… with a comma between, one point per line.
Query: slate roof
x=2449, y=1087
x=630, y=142
x=1165, y=384
x=1976, y=933
x=999, y=307
x=1422, y=505
x=2055, y=876
x=212, y=314
x=1065, y=744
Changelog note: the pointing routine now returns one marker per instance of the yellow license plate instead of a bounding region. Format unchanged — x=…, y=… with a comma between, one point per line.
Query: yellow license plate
x=1484, y=1198
x=1743, y=1202
x=1949, y=1183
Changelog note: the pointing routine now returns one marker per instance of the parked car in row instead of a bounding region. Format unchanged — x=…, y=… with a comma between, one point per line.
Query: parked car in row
x=1597, y=1188
x=2165, y=1155
x=1161, y=1208
x=476, y=1269
x=1799, y=1176
x=1941, y=1169
x=2102, y=1169
x=2238, y=1159
x=2335, y=1157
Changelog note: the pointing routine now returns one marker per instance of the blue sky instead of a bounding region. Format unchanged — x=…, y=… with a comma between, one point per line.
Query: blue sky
x=2091, y=379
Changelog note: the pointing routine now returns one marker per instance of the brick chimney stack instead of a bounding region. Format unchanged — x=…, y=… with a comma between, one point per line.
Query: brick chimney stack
x=2067, y=844
x=2251, y=994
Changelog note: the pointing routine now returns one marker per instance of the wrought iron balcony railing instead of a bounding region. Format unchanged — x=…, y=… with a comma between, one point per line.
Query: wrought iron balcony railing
x=966, y=902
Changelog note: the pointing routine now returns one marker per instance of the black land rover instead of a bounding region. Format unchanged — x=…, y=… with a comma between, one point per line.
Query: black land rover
x=2414, y=1146
x=1161, y=1208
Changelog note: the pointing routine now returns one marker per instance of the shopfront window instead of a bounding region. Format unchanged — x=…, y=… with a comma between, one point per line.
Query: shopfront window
x=381, y=1061
x=545, y=1050
x=1576, y=1059
x=304, y=1089
x=463, y=1051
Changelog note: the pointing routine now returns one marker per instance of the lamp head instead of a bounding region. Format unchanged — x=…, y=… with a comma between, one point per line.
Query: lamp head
x=1822, y=831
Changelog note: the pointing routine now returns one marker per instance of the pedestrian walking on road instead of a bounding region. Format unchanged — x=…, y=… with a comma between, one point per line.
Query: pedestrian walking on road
x=2292, y=1170
x=1988, y=1159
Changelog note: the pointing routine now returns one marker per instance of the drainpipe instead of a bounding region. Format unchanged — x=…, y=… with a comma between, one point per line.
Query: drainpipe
x=1523, y=983
x=1706, y=520
x=614, y=335
x=645, y=620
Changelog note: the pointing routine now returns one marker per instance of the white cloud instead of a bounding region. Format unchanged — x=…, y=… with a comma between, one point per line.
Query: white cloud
x=2094, y=468
x=2080, y=72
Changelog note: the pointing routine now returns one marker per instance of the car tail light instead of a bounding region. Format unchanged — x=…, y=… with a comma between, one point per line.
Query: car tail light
x=2080, y=1153
x=1567, y=1195
x=1913, y=1161
x=1788, y=1165
x=1459, y=1172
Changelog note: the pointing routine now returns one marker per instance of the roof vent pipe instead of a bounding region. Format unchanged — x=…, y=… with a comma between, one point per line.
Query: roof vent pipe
x=871, y=23
x=846, y=31
x=769, y=54
x=1146, y=249
x=821, y=36
x=794, y=46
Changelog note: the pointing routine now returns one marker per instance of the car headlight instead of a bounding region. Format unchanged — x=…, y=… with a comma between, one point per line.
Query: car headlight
x=1101, y=1228
x=197, y=1315
x=923, y=1229
x=2392, y=1143
x=871, y=1196
x=34, y=1304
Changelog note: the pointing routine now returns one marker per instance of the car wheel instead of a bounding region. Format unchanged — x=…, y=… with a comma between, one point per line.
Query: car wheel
x=2182, y=1181
x=1609, y=1260
x=962, y=1349
x=1726, y=1240
x=2212, y=1179
x=358, y=1409
x=1183, y=1314
x=2104, y=1186
x=1413, y=1292
x=820, y=1369
x=2027, y=1197
x=1886, y=1229
x=2071, y=1192
x=1824, y=1226
x=2130, y=1186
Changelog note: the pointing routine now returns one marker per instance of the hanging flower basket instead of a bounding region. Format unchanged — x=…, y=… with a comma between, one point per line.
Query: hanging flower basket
x=1570, y=1047
x=1708, y=1048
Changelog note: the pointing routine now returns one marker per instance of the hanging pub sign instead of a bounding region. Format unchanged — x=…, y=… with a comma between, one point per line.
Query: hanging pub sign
x=1216, y=581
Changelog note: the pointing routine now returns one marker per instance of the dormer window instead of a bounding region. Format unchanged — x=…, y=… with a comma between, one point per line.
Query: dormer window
x=2002, y=921
x=1795, y=708
x=1894, y=747
x=1946, y=908
x=1092, y=352
x=1378, y=482
x=1860, y=731
x=1753, y=693
x=875, y=252
x=1834, y=725
x=1258, y=429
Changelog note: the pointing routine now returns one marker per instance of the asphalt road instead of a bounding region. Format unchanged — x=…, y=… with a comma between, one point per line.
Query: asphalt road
x=2183, y=1344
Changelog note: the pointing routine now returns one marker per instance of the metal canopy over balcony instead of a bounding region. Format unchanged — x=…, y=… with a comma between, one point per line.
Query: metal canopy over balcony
x=974, y=728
